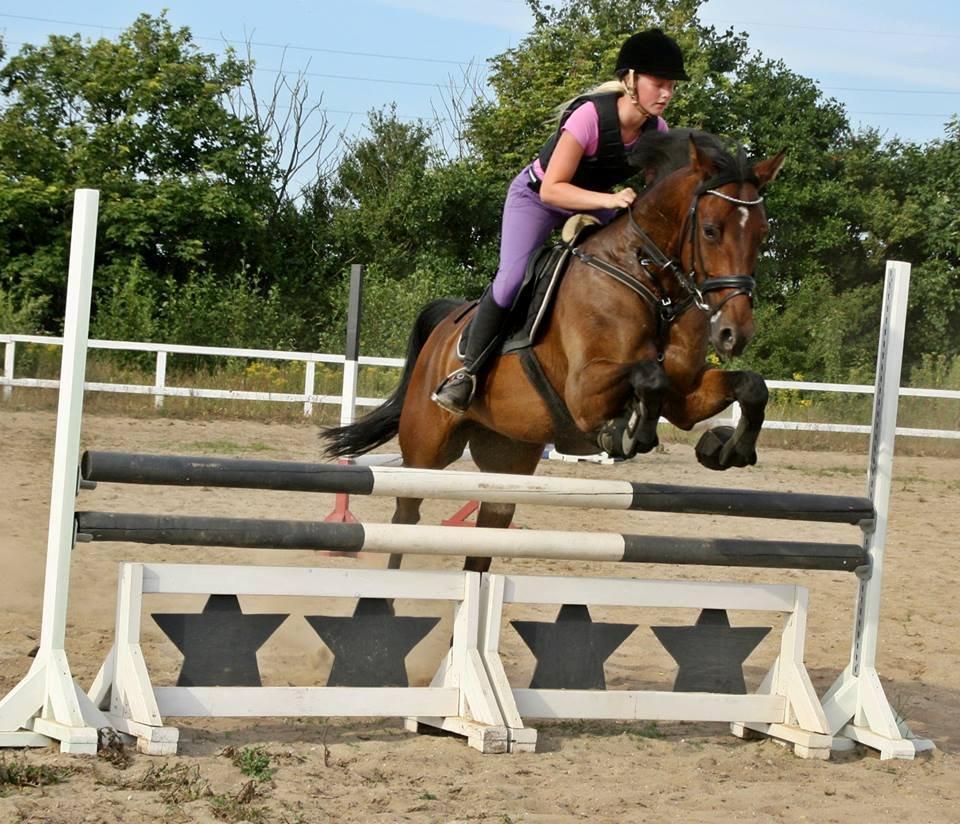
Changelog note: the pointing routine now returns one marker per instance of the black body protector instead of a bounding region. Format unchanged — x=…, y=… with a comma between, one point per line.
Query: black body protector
x=609, y=166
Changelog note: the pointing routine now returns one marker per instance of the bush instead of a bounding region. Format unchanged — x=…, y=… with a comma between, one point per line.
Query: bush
x=25, y=319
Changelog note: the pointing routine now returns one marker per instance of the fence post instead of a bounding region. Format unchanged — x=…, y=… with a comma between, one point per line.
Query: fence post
x=160, y=378
x=348, y=398
x=309, y=386
x=9, y=353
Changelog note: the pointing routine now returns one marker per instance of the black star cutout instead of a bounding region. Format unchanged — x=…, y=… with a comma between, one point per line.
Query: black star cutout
x=220, y=644
x=571, y=652
x=711, y=653
x=370, y=646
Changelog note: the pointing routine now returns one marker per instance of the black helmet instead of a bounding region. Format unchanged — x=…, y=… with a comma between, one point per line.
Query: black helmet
x=652, y=52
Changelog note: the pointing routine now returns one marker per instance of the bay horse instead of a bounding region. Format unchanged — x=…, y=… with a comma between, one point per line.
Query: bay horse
x=626, y=340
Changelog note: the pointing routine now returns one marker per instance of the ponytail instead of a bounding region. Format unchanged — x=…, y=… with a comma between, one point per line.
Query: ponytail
x=623, y=86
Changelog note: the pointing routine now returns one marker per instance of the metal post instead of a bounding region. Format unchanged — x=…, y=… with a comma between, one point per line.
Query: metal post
x=880, y=467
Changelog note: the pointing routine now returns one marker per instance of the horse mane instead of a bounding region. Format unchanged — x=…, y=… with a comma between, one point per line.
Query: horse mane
x=658, y=154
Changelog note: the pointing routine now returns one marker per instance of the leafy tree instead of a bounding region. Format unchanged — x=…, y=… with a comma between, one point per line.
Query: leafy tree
x=423, y=227
x=927, y=232
x=142, y=119
x=572, y=48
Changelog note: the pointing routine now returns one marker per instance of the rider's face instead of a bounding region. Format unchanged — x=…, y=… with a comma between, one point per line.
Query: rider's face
x=654, y=93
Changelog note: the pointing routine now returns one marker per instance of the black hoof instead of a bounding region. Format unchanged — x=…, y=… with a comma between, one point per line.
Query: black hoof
x=712, y=454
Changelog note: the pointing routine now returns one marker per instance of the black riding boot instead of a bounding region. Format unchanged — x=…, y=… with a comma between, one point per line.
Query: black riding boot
x=457, y=389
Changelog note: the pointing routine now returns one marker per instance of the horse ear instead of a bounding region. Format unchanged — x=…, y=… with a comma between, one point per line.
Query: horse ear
x=700, y=161
x=767, y=170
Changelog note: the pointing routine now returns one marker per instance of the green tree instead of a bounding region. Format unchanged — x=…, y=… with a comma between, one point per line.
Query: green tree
x=143, y=119
x=573, y=47
x=423, y=226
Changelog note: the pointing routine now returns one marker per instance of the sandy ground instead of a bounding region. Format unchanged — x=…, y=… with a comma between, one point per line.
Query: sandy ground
x=372, y=770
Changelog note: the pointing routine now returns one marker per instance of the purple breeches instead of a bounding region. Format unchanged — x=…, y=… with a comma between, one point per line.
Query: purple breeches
x=527, y=223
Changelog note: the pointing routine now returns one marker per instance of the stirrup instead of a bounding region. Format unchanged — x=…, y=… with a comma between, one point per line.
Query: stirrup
x=456, y=391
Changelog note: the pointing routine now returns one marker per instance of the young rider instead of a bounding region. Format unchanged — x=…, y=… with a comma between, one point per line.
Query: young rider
x=574, y=172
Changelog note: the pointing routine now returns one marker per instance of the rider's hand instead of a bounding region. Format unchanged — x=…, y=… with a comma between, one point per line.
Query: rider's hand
x=621, y=199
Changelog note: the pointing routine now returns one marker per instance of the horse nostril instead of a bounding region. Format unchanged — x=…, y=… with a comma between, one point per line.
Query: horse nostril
x=727, y=338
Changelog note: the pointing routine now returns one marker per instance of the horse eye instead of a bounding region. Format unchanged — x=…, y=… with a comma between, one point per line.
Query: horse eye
x=711, y=232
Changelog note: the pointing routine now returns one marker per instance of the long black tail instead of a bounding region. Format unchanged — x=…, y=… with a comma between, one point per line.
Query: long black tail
x=378, y=427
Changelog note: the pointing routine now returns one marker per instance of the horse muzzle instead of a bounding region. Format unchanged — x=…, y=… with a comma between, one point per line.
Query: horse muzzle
x=731, y=320
x=730, y=335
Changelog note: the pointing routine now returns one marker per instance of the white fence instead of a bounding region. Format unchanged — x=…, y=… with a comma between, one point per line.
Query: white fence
x=159, y=389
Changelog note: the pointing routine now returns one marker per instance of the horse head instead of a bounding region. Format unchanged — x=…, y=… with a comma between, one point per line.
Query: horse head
x=717, y=222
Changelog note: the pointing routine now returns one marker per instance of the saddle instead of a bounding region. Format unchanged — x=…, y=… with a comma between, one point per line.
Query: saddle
x=534, y=301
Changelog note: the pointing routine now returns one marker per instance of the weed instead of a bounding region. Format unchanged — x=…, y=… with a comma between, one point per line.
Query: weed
x=251, y=761
x=18, y=773
x=235, y=808
x=177, y=783
x=648, y=730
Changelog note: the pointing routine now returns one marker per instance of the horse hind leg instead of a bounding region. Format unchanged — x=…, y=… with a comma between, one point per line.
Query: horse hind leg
x=407, y=511
x=489, y=516
x=426, y=453
x=495, y=453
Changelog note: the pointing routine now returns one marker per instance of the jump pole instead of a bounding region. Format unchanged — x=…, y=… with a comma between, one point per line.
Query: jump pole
x=47, y=703
x=397, y=482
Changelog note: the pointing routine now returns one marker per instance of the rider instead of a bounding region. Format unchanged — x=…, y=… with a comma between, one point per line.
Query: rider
x=574, y=172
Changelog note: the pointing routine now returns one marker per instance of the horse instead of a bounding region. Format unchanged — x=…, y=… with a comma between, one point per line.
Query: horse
x=626, y=339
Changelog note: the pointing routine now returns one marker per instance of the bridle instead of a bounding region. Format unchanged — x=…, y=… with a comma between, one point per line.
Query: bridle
x=652, y=259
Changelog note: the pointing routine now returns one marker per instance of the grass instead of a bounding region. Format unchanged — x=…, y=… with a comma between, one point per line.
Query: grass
x=42, y=361
x=226, y=447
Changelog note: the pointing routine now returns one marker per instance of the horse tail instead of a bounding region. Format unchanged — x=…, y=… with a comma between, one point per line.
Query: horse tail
x=383, y=423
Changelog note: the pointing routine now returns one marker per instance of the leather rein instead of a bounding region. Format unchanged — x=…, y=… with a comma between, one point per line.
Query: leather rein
x=650, y=257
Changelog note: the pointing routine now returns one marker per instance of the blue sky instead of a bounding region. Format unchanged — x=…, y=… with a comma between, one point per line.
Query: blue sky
x=893, y=64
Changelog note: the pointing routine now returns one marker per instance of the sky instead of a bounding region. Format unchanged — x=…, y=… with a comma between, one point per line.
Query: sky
x=893, y=65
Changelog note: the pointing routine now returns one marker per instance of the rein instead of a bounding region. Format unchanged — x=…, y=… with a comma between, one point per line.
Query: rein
x=650, y=256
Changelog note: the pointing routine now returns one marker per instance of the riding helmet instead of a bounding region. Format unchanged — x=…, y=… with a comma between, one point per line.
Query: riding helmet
x=652, y=52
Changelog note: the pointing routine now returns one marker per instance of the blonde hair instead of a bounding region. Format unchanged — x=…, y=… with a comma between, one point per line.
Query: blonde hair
x=624, y=85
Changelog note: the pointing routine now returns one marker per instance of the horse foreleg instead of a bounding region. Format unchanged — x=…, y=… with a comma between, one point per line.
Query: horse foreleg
x=636, y=431
x=723, y=446
x=490, y=516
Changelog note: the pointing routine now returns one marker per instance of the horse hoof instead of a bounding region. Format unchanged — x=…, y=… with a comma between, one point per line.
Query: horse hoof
x=709, y=446
x=714, y=450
